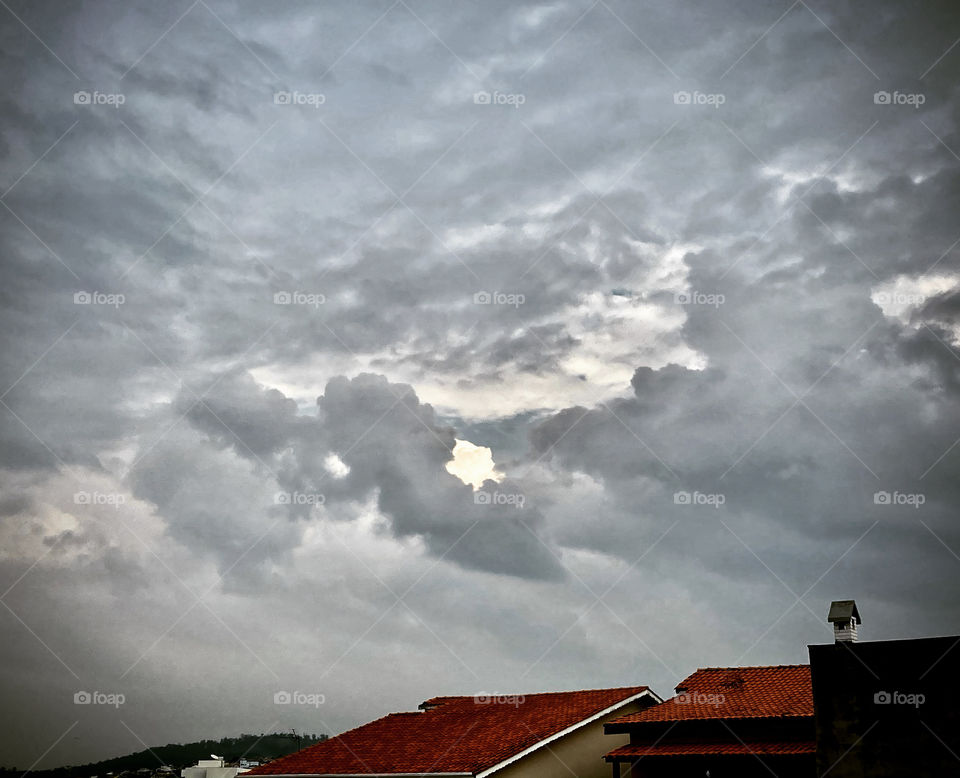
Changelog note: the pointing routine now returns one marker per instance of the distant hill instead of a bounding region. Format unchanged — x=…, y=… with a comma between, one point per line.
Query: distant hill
x=176, y=755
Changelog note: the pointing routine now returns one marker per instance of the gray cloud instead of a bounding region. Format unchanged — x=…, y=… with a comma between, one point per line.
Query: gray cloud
x=393, y=446
x=686, y=272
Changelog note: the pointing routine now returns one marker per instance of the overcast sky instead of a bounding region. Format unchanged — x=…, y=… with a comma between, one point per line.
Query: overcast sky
x=681, y=278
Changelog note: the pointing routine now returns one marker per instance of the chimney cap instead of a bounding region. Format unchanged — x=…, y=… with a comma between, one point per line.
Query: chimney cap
x=843, y=610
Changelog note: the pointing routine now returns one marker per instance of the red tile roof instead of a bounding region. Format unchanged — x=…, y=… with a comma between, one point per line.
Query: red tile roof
x=734, y=693
x=452, y=735
x=700, y=748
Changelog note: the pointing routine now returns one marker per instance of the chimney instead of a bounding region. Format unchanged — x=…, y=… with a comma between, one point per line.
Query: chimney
x=845, y=617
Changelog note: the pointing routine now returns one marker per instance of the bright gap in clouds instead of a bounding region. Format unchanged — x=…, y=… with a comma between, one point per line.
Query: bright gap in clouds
x=900, y=296
x=336, y=466
x=473, y=464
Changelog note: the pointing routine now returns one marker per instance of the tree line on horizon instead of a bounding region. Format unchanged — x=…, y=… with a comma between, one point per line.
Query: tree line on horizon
x=178, y=755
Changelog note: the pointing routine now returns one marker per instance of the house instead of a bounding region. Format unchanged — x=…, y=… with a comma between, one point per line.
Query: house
x=509, y=736
x=878, y=709
x=885, y=707
x=724, y=721
x=215, y=767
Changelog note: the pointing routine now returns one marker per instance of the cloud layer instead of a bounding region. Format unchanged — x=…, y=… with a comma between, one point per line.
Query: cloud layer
x=689, y=272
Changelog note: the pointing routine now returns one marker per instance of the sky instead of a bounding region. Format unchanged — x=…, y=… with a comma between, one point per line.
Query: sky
x=393, y=349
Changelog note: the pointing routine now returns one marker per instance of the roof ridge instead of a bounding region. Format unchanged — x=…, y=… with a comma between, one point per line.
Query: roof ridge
x=639, y=688
x=752, y=667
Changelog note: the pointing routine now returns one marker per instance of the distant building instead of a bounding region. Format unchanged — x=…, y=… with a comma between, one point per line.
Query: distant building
x=553, y=735
x=211, y=768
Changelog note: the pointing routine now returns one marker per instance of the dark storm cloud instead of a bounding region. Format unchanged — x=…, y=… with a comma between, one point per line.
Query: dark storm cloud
x=802, y=416
x=807, y=224
x=395, y=450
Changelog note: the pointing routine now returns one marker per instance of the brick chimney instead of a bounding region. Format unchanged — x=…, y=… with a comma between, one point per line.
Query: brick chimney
x=845, y=617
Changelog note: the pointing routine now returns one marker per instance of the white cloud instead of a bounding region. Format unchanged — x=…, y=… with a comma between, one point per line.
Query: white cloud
x=900, y=296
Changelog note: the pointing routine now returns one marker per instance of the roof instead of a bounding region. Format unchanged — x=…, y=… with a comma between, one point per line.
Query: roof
x=733, y=693
x=700, y=748
x=462, y=735
x=843, y=610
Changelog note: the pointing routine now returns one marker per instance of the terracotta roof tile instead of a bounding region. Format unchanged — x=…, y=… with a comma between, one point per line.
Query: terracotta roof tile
x=452, y=735
x=734, y=693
